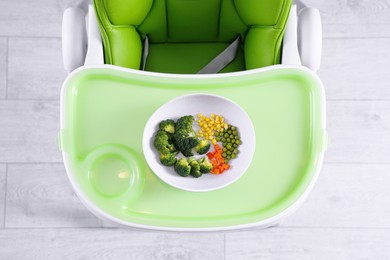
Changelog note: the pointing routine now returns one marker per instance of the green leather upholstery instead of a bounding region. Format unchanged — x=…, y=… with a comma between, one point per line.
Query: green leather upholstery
x=186, y=34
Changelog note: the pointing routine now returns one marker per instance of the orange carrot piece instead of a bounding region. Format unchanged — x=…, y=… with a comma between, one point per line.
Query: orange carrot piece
x=218, y=156
x=217, y=160
x=215, y=171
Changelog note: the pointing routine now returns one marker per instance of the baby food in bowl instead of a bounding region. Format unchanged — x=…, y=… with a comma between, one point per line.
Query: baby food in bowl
x=199, y=142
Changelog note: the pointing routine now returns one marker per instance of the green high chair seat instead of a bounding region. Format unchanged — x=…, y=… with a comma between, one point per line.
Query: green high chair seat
x=185, y=35
x=109, y=114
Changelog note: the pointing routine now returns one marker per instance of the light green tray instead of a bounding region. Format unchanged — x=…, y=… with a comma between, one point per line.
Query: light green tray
x=104, y=111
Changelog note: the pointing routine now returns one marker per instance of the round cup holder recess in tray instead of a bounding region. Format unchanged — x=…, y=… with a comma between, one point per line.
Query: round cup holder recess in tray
x=114, y=170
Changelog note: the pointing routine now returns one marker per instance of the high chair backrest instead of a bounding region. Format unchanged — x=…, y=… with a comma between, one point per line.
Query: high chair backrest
x=125, y=23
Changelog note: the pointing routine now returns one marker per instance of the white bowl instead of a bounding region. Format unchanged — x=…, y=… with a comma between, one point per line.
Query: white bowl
x=205, y=104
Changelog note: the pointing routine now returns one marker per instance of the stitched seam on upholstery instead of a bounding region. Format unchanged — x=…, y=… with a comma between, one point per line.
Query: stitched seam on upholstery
x=277, y=43
x=105, y=13
x=106, y=39
x=263, y=26
x=219, y=20
x=280, y=13
x=239, y=16
x=150, y=9
x=167, y=21
x=281, y=32
x=137, y=27
x=121, y=26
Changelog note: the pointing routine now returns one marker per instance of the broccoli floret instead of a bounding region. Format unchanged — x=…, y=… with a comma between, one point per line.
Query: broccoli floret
x=195, y=169
x=185, y=137
x=203, y=147
x=168, y=159
x=163, y=142
x=168, y=126
x=182, y=167
x=185, y=122
x=190, y=160
x=205, y=165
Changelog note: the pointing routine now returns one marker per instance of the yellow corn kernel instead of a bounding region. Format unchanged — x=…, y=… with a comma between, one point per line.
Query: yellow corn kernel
x=210, y=125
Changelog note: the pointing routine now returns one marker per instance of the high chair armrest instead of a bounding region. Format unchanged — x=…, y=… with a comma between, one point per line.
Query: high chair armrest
x=310, y=37
x=74, y=40
x=290, y=54
x=95, y=53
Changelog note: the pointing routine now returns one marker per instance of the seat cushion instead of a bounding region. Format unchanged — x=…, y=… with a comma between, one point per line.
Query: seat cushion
x=189, y=33
x=188, y=58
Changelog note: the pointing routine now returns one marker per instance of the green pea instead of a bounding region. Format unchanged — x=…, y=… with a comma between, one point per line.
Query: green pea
x=235, y=151
x=231, y=136
x=237, y=137
x=223, y=139
x=230, y=132
x=226, y=161
x=234, y=128
x=235, y=145
x=229, y=146
x=229, y=152
x=226, y=135
x=228, y=140
x=235, y=132
x=224, y=155
x=234, y=156
x=238, y=142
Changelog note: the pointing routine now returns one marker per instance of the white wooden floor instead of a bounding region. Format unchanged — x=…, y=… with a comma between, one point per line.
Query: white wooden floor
x=347, y=216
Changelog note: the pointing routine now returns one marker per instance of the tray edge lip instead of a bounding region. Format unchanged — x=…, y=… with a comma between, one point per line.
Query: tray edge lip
x=268, y=222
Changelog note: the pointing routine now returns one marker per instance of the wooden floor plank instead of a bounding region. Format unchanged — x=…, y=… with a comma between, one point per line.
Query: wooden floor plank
x=40, y=195
x=353, y=18
x=347, y=195
x=108, y=244
x=28, y=131
x=307, y=243
x=35, y=69
x=356, y=68
x=3, y=67
x=2, y=193
x=38, y=18
x=358, y=131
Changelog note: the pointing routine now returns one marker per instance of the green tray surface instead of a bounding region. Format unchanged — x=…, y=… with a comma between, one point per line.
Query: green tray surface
x=106, y=109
